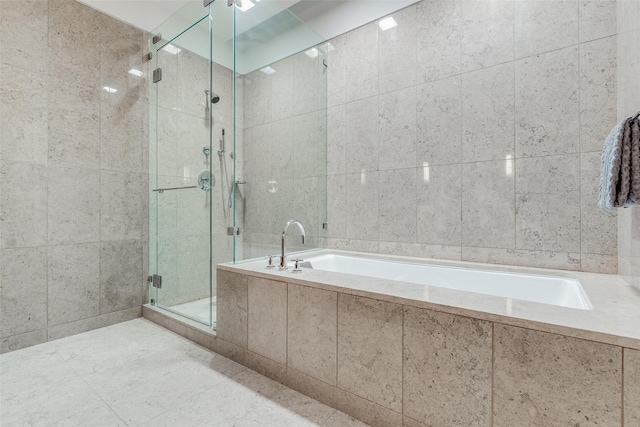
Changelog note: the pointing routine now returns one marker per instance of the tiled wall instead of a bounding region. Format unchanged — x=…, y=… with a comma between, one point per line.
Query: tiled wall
x=72, y=171
x=628, y=104
x=390, y=364
x=473, y=131
x=284, y=153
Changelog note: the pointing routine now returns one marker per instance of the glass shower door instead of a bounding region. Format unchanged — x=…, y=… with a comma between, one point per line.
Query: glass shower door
x=182, y=185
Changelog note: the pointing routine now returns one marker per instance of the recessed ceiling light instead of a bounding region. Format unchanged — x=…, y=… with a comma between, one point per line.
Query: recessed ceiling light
x=312, y=53
x=135, y=72
x=171, y=49
x=387, y=23
x=246, y=5
x=109, y=89
x=267, y=70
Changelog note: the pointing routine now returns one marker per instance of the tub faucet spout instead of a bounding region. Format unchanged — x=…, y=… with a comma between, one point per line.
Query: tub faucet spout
x=283, y=256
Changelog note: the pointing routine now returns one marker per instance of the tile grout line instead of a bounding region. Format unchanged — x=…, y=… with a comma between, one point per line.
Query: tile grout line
x=493, y=363
x=622, y=388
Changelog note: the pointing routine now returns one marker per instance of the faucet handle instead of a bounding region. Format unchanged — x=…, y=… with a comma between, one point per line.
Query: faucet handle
x=270, y=262
x=297, y=268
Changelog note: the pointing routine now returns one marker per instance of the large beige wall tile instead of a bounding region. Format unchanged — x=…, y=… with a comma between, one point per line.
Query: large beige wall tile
x=77, y=188
x=337, y=73
x=121, y=130
x=599, y=228
x=362, y=206
x=23, y=32
x=74, y=124
x=488, y=114
x=397, y=124
x=267, y=318
x=73, y=282
x=486, y=223
x=397, y=219
x=362, y=62
x=24, y=129
x=598, y=92
x=397, y=49
x=121, y=205
x=307, y=90
x=23, y=205
x=282, y=89
x=438, y=110
x=544, y=25
x=120, y=267
x=232, y=308
x=362, y=135
x=543, y=379
x=73, y=53
x=23, y=288
x=548, y=203
x=306, y=150
x=447, y=368
x=192, y=78
x=438, y=223
x=547, y=107
x=439, y=37
x=597, y=19
x=487, y=33
x=312, y=332
x=631, y=390
x=370, y=350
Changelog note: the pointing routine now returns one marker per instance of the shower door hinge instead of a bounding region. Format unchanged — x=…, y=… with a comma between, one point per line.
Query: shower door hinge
x=207, y=2
x=148, y=57
x=325, y=225
x=157, y=281
x=156, y=38
x=157, y=75
x=233, y=231
x=236, y=2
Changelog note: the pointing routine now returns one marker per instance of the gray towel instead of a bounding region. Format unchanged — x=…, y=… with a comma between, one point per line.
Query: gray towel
x=635, y=160
x=620, y=166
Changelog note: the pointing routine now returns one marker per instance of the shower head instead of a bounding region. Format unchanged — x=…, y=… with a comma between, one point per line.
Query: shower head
x=214, y=96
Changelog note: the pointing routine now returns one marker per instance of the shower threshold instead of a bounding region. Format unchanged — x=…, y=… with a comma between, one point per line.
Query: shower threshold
x=197, y=310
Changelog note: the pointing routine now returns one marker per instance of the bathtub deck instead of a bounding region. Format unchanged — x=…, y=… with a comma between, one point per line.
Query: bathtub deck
x=614, y=318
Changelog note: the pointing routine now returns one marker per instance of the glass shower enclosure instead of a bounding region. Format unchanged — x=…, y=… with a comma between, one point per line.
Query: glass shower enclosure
x=237, y=144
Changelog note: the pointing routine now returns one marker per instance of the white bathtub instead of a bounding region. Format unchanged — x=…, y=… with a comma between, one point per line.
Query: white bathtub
x=559, y=291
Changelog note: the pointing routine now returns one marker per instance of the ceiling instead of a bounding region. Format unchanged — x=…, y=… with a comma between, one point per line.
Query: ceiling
x=269, y=31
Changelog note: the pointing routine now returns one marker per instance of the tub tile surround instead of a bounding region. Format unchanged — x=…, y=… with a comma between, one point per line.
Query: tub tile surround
x=365, y=326
x=462, y=361
x=72, y=186
x=447, y=368
x=312, y=326
x=632, y=386
x=548, y=379
x=526, y=84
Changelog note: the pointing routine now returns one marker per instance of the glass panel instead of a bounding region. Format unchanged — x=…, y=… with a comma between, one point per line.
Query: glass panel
x=281, y=106
x=180, y=164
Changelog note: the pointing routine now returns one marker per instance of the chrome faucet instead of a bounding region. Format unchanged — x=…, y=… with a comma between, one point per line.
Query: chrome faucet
x=283, y=257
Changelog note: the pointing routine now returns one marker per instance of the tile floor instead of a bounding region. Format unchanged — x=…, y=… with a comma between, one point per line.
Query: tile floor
x=139, y=374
